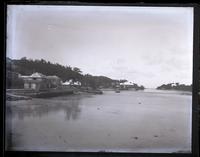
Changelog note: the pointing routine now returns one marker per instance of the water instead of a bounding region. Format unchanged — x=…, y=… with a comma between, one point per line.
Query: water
x=130, y=121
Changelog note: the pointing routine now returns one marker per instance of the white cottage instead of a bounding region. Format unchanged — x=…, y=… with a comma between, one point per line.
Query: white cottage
x=38, y=81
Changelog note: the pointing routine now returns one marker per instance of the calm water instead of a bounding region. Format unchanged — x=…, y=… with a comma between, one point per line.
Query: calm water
x=130, y=121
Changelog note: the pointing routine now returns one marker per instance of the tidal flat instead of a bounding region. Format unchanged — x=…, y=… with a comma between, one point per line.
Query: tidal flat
x=129, y=121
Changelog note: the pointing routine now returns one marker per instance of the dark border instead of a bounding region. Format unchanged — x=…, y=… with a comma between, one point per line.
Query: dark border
x=196, y=80
x=196, y=83
x=3, y=49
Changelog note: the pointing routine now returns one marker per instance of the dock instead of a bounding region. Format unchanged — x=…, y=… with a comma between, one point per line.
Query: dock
x=13, y=97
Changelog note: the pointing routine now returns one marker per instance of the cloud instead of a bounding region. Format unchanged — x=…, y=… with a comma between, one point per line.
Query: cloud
x=149, y=45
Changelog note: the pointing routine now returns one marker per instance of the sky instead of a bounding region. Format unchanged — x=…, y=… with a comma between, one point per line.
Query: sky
x=149, y=46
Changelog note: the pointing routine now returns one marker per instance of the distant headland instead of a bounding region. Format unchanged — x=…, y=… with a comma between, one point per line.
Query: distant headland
x=175, y=86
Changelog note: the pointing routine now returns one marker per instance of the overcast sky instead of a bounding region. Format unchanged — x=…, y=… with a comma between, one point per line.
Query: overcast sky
x=147, y=45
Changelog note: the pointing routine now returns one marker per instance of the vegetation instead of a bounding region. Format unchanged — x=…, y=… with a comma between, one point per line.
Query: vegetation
x=12, y=80
x=26, y=66
x=139, y=87
x=175, y=86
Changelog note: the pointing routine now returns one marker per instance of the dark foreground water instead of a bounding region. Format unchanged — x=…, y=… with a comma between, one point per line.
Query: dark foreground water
x=130, y=121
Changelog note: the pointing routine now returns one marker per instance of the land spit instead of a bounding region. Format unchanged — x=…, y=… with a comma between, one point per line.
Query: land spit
x=23, y=94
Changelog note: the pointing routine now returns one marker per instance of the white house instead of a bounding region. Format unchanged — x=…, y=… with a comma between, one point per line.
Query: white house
x=66, y=83
x=77, y=83
x=38, y=81
x=71, y=83
x=126, y=85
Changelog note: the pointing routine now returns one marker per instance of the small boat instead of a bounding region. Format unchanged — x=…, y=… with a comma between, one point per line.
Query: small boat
x=117, y=91
x=95, y=91
x=98, y=92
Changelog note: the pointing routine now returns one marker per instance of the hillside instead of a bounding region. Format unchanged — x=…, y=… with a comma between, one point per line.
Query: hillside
x=26, y=66
x=175, y=86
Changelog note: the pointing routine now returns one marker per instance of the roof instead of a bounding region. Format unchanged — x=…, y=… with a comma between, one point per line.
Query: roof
x=38, y=75
x=66, y=83
x=53, y=77
x=71, y=83
x=70, y=80
x=20, y=76
x=77, y=83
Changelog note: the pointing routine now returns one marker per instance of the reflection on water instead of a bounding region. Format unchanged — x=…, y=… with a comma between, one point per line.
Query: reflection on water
x=133, y=121
x=41, y=107
x=175, y=92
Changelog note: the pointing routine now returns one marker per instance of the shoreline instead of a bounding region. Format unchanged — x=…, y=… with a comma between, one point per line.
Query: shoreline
x=22, y=94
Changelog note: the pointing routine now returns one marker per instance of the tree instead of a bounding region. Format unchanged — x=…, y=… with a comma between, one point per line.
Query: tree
x=27, y=67
x=123, y=80
x=23, y=58
x=77, y=70
x=177, y=84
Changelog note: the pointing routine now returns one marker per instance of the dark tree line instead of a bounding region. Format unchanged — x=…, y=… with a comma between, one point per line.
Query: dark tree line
x=176, y=86
x=98, y=81
x=138, y=87
x=26, y=66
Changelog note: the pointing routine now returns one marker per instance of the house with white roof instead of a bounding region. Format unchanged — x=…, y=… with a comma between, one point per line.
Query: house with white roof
x=38, y=81
x=67, y=83
x=77, y=83
x=71, y=83
x=126, y=85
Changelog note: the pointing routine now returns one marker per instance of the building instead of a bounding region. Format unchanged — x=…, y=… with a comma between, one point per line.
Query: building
x=126, y=85
x=67, y=83
x=71, y=83
x=38, y=81
x=54, y=81
x=76, y=84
